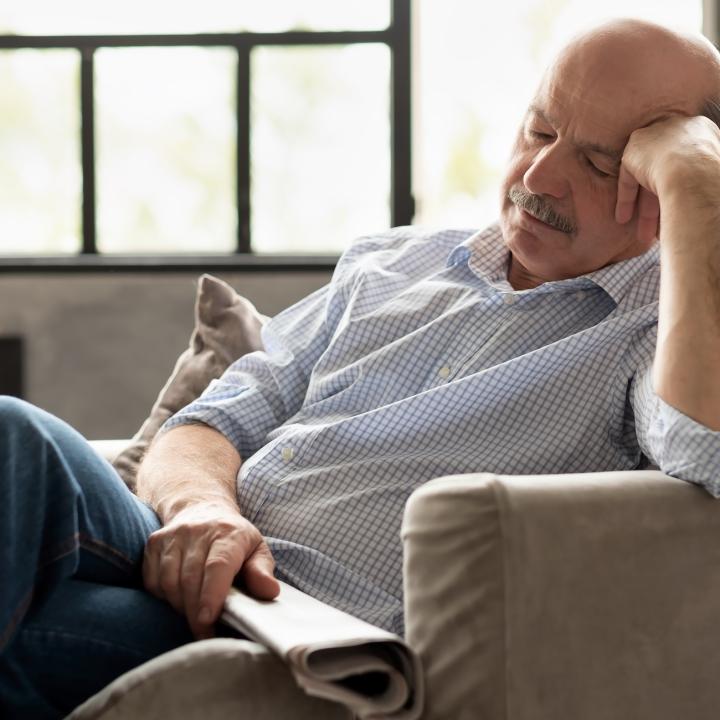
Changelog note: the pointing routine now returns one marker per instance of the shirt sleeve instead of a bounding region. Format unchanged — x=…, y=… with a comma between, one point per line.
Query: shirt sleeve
x=261, y=390
x=677, y=444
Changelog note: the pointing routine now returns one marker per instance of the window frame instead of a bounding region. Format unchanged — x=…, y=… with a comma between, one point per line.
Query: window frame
x=397, y=37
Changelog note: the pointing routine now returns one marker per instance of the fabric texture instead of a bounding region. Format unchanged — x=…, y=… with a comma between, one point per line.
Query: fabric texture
x=214, y=679
x=588, y=596
x=73, y=615
x=419, y=360
x=226, y=327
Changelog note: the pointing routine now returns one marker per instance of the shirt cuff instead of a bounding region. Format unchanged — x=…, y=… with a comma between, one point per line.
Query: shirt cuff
x=686, y=449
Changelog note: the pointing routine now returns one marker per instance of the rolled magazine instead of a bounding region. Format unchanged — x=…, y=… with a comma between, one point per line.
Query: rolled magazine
x=333, y=655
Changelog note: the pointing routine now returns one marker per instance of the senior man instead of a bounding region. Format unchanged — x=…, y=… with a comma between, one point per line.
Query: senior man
x=545, y=344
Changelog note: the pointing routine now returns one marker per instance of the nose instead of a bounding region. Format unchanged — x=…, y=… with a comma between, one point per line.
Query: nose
x=547, y=173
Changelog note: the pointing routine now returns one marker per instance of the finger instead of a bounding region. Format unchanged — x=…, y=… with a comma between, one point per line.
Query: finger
x=648, y=215
x=151, y=564
x=150, y=567
x=169, y=576
x=191, y=579
x=221, y=566
x=627, y=191
x=257, y=574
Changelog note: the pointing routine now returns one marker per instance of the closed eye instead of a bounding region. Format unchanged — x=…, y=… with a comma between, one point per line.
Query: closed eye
x=537, y=135
x=596, y=169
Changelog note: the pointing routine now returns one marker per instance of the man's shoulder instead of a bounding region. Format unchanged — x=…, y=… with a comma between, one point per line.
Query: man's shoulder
x=406, y=245
x=410, y=234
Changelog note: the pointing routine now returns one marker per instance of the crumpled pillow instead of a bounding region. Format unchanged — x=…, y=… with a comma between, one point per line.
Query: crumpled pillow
x=227, y=326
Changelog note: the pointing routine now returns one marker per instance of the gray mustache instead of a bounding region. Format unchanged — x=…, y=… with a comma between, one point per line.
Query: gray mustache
x=540, y=208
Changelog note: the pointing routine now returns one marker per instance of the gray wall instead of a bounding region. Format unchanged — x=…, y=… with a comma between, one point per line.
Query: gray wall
x=99, y=346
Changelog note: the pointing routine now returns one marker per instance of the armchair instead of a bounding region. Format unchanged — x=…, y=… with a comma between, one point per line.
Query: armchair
x=588, y=596
x=566, y=597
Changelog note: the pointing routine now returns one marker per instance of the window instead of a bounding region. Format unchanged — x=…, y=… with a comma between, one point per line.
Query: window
x=277, y=127
x=267, y=127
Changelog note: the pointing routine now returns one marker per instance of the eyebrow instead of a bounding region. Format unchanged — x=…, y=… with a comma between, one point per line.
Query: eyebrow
x=614, y=155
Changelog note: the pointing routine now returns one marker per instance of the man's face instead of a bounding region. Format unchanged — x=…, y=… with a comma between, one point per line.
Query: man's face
x=559, y=193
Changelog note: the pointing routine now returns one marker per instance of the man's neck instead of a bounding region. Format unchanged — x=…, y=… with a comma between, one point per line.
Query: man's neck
x=520, y=278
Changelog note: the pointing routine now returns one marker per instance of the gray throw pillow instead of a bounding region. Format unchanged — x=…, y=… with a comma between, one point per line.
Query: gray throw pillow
x=227, y=326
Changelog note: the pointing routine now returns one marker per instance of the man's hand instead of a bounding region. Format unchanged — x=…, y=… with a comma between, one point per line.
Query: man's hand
x=188, y=477
x=674, y=153
x=673, y=166
x=192, y=561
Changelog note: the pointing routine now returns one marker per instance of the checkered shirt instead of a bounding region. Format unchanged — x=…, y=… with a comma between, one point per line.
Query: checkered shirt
x=420, y=360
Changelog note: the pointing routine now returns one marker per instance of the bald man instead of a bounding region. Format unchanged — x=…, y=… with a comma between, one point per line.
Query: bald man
x=545, y=344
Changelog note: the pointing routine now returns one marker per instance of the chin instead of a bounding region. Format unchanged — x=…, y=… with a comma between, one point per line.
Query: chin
x=534, y=255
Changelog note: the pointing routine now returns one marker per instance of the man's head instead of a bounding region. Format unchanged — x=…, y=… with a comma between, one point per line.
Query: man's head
x=605, y=84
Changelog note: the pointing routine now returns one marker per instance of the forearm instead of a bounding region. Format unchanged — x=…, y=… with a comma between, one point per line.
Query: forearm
x=187, y=465
x=688, y=347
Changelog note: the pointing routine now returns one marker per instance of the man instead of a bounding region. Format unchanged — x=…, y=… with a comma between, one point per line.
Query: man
x=535, y=346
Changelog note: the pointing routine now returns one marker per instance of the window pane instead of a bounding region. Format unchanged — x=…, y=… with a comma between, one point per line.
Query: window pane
x=73, y=17
x=39, y=152
x=320, y=146
x=166, y=144
x=476, y=74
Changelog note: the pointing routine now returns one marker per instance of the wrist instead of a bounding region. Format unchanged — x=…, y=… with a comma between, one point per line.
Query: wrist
x=211, y=504
x=690, y=187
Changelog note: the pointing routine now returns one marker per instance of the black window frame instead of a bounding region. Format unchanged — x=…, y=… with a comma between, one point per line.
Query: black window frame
x=397, y=37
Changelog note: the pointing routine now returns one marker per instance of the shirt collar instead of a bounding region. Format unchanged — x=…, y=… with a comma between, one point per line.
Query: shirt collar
x=487, y=256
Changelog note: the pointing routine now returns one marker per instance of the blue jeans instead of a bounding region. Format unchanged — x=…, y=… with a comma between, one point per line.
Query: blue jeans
x=73, y=611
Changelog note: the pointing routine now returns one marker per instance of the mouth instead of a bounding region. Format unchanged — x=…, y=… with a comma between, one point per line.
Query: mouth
x=534, y=222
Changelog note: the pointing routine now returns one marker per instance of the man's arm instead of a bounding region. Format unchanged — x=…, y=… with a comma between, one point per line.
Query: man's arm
x=678, y=160
x=188, y=477
x=686, y=360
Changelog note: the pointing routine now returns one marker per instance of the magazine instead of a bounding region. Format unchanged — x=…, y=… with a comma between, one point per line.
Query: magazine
x=333, y=655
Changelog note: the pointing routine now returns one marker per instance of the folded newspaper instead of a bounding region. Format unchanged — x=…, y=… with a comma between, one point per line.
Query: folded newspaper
x=332, y=654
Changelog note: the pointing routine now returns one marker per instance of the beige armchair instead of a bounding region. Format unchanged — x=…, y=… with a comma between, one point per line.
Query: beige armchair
x=568, y=597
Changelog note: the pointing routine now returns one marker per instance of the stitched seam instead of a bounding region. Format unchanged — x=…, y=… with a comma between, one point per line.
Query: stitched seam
x=44, y=633
x=15, y=619
x=70, y=544
x=497, y=492
x=106, y=552
x=59, y=550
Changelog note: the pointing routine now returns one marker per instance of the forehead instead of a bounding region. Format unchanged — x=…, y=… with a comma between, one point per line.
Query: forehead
x=614, y=83
x=602, y=103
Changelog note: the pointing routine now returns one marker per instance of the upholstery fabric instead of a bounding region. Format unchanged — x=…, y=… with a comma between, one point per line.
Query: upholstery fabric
x=214, y=679
x=588, y=596
x=226, y=327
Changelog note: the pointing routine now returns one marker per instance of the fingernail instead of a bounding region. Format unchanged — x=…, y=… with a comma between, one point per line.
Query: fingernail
x=204, y=616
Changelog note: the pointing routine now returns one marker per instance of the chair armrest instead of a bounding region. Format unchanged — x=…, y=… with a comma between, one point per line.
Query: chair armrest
x=109, y=449
x=219, y=679
x=589, y=596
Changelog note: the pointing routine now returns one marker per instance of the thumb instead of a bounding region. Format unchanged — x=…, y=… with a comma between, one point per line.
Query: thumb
x=257, y=574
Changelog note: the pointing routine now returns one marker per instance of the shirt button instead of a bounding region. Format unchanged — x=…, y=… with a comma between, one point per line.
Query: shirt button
x=509, y=298
x=444, y=372
x=287, y=454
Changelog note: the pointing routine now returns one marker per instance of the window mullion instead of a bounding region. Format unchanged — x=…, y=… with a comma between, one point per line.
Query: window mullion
x=402, y=203
x=87, y=131
x=243, y=148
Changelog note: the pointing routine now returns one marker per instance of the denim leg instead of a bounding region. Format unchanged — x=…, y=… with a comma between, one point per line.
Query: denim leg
x=65, y=514
x=77, y=643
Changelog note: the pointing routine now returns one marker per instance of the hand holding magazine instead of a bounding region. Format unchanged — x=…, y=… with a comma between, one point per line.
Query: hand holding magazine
x=332, y=654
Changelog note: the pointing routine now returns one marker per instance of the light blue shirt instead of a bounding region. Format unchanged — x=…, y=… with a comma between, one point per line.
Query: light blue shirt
x=420, y=360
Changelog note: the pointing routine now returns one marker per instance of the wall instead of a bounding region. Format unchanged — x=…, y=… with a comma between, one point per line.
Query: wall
x=99, y=346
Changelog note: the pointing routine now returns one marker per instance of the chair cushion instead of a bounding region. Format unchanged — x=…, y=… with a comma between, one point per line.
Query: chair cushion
x=226, y=326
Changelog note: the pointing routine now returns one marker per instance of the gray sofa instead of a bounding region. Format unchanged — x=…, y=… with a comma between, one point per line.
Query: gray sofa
x=568, y=597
